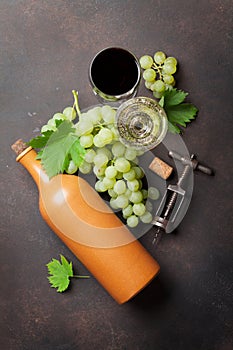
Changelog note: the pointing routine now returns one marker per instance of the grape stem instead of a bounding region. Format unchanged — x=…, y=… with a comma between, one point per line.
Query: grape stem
x=76, y=105
x=157, y=68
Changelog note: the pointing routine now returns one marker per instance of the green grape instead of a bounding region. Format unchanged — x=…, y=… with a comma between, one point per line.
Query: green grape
x=120, y=187
x=132, y=221
x=136, y=197
x=144, y=193
x=86, y=141
x=152, y=88
x=135, y=161
x=149, y=74
x=111, y=172
x=139, y=173
x=89, y=156
x=118, y=149
x=149, y=84
x=149, y=205
x=108, y=114
x=72, y=167
x=127, y=211
x=51, y=122
x=159, y=86
x=100, y=160
x=171, y=60
x=70, y=113
x=153, y=193
x=157, y=94
x=140, y=184
x=139, y=209
x=146, y=218
x=48, y=128
x=112, y=193
x=128, y=192
x=133, y=185
x=97, y=141
x=113, y=203
x=115, y=134
x=59, y=116
x=122, y=165
x=84, y=127
x=99, y=171
x=105, y=151
x=140, y=152
x=130, y=175
x=100, y=186
x=169, y=68
x=83, y=116
x=119, y=175
x=146, y=61
x=168, y=79
x=85, y=167
x=130, y=154
x=94, y=115
x=109, y=183
x=159, y=57
x=106, y=135
x=170, y=87
x=172, y=84
x=122, y=201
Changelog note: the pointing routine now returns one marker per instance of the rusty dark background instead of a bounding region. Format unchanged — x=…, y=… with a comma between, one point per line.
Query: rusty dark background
x=45, y=50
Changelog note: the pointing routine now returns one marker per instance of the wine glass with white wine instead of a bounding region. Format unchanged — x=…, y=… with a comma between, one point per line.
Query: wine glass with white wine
x=142, y=123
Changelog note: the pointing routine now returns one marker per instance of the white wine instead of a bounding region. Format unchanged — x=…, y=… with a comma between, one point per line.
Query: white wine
x=141, y=122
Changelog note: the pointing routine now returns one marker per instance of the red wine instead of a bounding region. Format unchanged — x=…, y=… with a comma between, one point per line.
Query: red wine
x=115, y=71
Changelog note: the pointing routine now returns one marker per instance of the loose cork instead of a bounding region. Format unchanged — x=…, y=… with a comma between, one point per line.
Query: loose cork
x=161, y=168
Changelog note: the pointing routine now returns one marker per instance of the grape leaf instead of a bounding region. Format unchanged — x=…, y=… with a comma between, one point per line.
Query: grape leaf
x=60, y=273
x=41, y=140
x=54, y=158
x=39, y=154
x=174, y=97
x=181, y=114
x=178, y=112
x=66, y=163
x=77, y=153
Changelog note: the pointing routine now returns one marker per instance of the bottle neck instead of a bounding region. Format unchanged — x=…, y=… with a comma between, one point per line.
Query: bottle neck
x=28, y=159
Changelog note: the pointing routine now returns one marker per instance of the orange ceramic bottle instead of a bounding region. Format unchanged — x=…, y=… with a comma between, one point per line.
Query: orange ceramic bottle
x=84, y=222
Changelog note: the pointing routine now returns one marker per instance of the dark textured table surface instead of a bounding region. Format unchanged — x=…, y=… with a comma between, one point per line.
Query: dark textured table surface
x=45, y=51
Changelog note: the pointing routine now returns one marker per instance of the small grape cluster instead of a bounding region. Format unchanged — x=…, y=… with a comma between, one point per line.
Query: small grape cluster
x=158, y=72
x=114, y=165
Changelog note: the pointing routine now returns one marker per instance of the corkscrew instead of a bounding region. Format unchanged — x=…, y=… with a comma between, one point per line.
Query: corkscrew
x=173, y=199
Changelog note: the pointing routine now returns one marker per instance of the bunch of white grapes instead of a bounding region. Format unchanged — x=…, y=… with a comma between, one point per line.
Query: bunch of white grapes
x=158, y=72
x=114, y=165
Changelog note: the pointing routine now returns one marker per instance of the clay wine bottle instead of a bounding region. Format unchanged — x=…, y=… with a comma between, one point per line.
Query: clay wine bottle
x=95, y=235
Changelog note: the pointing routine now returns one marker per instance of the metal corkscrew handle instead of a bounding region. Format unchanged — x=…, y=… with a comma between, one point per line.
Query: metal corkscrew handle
x=192, y=161
x=169, y=200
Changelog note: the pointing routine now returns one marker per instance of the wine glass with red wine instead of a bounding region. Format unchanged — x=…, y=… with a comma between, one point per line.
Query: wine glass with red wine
x=114, y=74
